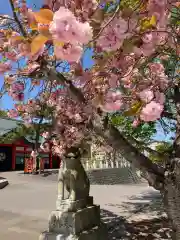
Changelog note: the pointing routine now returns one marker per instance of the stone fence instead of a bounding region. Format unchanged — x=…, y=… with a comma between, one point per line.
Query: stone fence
x=110, y=172
x=104, y=163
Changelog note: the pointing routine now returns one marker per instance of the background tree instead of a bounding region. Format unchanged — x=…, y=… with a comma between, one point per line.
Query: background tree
x=3, y=113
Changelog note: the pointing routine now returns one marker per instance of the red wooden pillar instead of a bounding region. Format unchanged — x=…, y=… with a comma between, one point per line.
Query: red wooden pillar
x=13, y=157
x=50, y=160
x=25, y=153
x=25, y=150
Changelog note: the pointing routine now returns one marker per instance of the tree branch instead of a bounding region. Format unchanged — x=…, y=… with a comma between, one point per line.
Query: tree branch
x=113, y=137
x=17, y=19
x=77, y=94
x=168, y=115
x=177, y=138
x=141, y=146
x=153, y=173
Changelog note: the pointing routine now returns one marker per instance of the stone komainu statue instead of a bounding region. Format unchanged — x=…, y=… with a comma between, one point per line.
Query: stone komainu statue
x=73, y=177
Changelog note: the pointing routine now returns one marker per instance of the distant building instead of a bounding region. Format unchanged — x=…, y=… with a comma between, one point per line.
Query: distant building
x=13, y=154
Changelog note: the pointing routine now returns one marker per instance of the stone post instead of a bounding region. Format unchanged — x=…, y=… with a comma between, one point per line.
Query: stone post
x=76, y=216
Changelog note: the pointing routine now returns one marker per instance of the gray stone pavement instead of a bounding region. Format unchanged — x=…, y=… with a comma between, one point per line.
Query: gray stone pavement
x=26, y=203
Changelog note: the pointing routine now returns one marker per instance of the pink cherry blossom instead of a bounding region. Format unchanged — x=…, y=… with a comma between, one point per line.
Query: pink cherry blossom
x=9, y=79
x=146, y=95
x=31, y=67
x=157, y=8
x=23, y=9
x=13, y=113
x=11, y=55
x=27, y=118
x=145, y=49
x=78, y=118
x=122, y=73
x=151, y=112
x=5, y=67
x=156, y=68
x=88, y=7
x=120, y=27
x=160, y=97
x=17, y=96
x=31, y=101
x=24, y=49
x=113, y=81
x=20, y=107
x=113, y=95
x=15, y=39
x=18, y=86
x=66, y=28
x=113, y=101
x=114, y=34
x=136, y=122
x=113, y=106
x=55, y=5
x=164, y=57
x=45, y=134
x=147, y=37
x=68, y=52
x=30, y=16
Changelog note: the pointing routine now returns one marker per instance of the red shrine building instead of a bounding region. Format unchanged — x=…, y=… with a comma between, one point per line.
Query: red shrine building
x=12, y=155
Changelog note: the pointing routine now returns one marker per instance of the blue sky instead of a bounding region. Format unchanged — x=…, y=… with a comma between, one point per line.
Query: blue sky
x=7, y=103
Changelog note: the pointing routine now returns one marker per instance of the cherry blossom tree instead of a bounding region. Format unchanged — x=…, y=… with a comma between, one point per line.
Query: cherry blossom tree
x=133, y=45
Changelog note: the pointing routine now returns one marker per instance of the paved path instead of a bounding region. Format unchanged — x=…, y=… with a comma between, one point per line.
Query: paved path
x=26, y=203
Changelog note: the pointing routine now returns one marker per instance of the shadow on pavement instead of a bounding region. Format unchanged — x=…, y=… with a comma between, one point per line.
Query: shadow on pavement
x=144, y=220
x=46, y=173
x=50, y=172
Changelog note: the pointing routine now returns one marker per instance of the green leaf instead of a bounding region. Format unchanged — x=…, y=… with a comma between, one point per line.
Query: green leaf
x=134, y=110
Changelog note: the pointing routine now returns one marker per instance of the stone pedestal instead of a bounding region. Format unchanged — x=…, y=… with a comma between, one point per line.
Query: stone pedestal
x=75, y=221
x=73, y=206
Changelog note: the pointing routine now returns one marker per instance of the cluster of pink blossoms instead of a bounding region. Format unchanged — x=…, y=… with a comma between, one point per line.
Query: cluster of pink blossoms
x=124, y=74
x=115, y=33
x=69, y=35
x=81, y=9
x=71, y=118
x=16, y=91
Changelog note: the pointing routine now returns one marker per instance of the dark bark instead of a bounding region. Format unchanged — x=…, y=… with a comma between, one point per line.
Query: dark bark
x=171, y=195
x=171, y=192
x=20, y=26
x=168, y=115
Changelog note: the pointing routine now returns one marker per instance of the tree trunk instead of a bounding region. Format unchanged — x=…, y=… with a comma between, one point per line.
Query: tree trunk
x=172, y=176
x=171, y=194
x=168, y=182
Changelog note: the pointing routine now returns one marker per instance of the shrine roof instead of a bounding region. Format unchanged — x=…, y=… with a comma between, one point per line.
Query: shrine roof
x=7, y=125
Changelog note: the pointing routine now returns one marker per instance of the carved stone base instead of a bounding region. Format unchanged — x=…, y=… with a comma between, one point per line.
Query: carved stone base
x=73, y=206
x=82, y=224
x=96, y=233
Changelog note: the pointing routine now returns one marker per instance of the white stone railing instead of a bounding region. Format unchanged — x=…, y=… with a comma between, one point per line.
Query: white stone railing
x=103, y=163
